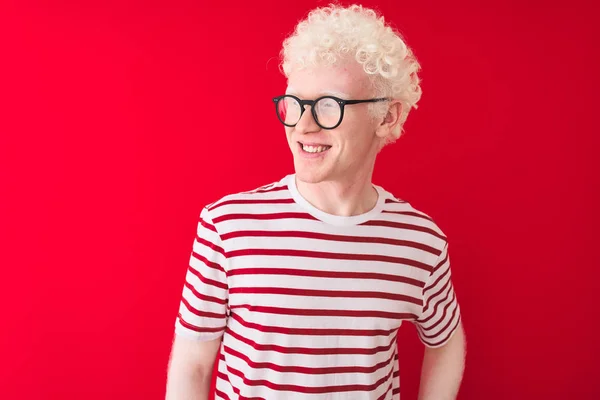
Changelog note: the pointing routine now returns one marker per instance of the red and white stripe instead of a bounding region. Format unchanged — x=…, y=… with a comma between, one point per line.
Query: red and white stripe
x=309, y=305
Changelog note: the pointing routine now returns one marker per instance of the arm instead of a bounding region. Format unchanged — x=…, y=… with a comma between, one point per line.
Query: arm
x=202, y=317
x=190, y=368
x=443, y=368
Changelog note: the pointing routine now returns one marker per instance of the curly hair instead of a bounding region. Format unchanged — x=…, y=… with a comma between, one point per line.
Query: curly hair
x=335, y=34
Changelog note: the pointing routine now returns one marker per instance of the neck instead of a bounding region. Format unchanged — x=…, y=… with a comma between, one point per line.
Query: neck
x=346, y=198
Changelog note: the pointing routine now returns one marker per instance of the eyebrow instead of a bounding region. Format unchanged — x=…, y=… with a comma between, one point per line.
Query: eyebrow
x=291, y=90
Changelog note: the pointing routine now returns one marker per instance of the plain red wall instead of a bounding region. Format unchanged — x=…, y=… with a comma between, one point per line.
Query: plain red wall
x=117, y=127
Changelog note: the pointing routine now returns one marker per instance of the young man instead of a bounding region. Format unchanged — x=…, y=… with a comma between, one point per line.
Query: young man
x=299, y=287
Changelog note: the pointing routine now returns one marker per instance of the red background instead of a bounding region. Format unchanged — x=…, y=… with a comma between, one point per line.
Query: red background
x=117, y=127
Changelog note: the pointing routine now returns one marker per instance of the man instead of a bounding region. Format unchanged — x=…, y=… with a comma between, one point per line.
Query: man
x=299, y=287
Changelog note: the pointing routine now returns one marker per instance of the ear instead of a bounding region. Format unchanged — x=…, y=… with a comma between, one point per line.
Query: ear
x=391, y=119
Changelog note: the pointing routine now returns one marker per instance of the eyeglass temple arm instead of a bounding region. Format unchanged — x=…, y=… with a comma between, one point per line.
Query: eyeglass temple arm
x=365, y=101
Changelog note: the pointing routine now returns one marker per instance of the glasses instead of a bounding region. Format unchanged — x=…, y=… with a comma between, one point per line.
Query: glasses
x=328, y=111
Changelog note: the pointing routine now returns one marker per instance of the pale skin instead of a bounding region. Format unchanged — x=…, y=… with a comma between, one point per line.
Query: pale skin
x=190, y=368
x=443, y=367
x=338, y=183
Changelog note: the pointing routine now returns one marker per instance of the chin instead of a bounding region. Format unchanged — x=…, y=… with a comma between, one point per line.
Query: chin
x=308, y=175
x=314, y=172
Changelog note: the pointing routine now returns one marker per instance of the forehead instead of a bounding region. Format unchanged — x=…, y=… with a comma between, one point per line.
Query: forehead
x=345, y=81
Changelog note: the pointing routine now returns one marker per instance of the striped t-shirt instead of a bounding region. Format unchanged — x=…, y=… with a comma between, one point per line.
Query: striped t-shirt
x=308, y=304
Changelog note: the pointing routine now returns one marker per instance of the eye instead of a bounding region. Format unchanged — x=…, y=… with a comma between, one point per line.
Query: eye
x=328, y=103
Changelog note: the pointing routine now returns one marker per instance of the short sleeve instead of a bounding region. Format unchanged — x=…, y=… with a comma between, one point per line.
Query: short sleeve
x=203, y=307
x=440, y=314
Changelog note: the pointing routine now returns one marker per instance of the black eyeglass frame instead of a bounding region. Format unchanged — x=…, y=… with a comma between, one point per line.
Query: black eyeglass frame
x=304, y=103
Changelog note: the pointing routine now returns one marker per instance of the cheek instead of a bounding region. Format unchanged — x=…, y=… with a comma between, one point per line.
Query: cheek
x=288, y=134
x=357, y=119
x=356, y=142
x=364, y=128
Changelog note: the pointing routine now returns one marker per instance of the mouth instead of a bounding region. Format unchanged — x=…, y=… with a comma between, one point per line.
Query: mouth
x=313, y=148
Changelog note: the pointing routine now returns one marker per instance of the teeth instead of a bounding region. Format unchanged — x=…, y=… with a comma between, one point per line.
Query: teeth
x=314, y=149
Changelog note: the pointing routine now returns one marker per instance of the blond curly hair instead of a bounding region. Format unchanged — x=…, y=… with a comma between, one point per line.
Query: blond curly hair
x=334, y=34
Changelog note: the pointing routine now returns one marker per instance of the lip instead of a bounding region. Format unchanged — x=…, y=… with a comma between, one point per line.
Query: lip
x=313, y=144
x=306, y=154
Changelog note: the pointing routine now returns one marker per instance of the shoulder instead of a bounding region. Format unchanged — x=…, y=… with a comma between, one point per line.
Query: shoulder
x=413, y=221
x=244, y=201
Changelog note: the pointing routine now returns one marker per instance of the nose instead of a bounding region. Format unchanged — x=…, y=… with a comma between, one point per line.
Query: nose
x=307, y=122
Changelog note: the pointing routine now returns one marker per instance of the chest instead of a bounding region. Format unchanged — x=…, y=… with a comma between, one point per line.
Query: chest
x=320, y=289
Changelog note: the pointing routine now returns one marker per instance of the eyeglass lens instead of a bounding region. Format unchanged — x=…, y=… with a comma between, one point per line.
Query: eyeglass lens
x=328, y=111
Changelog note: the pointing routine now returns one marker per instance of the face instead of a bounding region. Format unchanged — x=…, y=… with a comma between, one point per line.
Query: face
x=351, y=147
